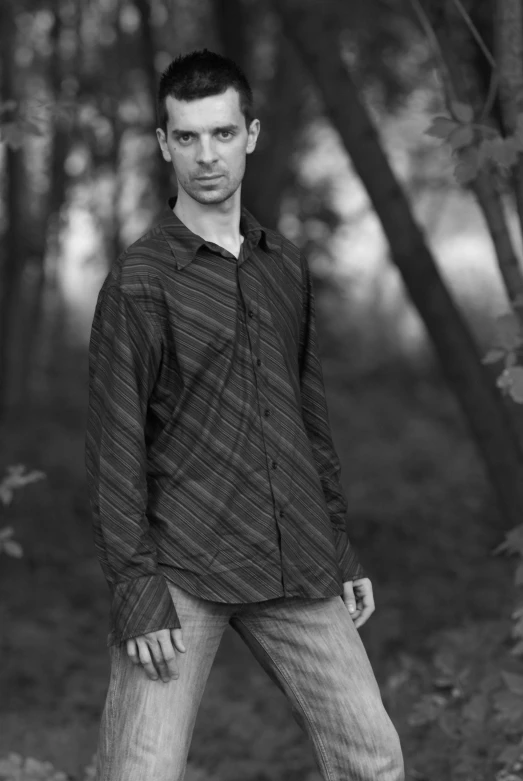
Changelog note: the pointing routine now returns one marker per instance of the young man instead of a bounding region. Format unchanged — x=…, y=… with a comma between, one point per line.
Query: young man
x=214, y=482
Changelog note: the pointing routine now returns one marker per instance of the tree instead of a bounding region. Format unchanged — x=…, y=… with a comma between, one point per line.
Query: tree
x=482, y=406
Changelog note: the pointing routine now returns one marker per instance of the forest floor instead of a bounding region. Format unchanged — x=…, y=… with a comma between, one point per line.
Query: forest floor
x=422, y=517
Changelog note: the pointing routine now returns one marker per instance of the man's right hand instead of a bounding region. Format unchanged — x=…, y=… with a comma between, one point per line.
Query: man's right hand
x=156, y=653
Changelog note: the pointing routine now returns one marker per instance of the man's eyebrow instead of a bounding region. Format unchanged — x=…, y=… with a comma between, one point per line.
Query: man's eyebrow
x=219, y=129
x=231, y=126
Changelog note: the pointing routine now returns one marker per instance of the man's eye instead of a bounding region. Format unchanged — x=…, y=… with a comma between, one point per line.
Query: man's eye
x=184, y=138
x=225, y=133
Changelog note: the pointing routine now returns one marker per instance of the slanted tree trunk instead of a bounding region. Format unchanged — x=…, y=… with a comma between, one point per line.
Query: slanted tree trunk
x=469, y=87
x=316, y=37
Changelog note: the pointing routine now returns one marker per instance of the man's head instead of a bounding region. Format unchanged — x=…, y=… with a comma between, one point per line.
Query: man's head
x=206, y=125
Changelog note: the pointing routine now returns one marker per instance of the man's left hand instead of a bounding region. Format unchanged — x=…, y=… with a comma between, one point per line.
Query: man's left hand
x=359, y=600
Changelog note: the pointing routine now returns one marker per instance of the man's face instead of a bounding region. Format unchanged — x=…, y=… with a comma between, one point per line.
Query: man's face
x=207, y=142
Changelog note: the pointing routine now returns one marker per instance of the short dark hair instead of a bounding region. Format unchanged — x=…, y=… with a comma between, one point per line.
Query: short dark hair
x=200, y=74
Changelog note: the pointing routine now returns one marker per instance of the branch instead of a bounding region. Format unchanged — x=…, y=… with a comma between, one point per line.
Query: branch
x=475, y=32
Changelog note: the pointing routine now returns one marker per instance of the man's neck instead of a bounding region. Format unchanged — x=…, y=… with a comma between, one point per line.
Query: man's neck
x=218, y=223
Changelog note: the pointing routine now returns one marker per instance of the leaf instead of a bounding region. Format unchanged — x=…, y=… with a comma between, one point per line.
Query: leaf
x=514, y=682
x=507, y=153
x=516, y=383
x=465, y=172
x=449, y=723
x=518, y=133
x=8, y=105
x=510, y=754
x=462, y=136
x=462, y=111
x=31, y=128
x=509, y=706
x=10, y=133
x=517, y=650
x=508, y=331
x=513, y=542
x=503, y=382
x=441, y=127
x=6, y=533
x=476, y=709
x=494, y=355
x=427, y=710
x=13, y=549
x=65, y=109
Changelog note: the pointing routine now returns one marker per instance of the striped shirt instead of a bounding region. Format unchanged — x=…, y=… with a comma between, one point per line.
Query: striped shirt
x=208, y=450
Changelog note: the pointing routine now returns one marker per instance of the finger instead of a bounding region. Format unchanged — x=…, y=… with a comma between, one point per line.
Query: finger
x=156, y=652
x=348, y=596
x=146, y=659
x=176, y=635
x=363, y=587
x=365, y=615
x=132, y=651
x=170, y=663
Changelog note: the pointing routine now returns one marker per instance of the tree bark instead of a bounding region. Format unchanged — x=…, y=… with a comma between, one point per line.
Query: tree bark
x=50, y=242
x=162, y=171
x=509, y=57
x=269, y=170
x=12, y=249
x=318, y=44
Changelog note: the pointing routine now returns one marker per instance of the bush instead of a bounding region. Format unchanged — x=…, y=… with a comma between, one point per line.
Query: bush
x=16, y=768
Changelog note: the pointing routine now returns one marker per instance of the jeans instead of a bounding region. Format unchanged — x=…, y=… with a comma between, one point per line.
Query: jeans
x=310, y=648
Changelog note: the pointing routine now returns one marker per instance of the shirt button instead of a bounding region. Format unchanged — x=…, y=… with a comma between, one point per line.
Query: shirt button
x=282, y=513
x=274, y=464
x=258, y=362
x=267, y=413
x=251, y=313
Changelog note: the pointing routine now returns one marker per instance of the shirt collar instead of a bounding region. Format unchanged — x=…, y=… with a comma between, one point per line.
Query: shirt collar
x=179, y=237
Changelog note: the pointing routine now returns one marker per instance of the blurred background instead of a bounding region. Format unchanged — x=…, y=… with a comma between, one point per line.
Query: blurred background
x=82, y=177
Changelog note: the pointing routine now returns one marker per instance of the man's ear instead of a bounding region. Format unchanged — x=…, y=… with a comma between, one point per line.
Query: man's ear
x=253, y=133
x=160, y=135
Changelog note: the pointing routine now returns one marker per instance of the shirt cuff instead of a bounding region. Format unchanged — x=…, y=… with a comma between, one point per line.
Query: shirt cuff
x=139, y=606
x=348, y=561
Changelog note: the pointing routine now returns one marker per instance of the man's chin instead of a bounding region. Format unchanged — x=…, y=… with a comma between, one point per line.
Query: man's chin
x=219, y=195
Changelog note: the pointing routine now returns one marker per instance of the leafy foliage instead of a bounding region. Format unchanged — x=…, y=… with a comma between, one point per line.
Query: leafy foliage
x=15, y=478
x=475, y=144
x=17, y=768
x=472, y=713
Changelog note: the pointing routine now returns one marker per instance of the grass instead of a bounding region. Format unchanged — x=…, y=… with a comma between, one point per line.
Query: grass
x=421, y=515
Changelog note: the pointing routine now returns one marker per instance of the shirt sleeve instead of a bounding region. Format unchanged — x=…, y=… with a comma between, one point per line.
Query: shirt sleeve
x=316, y=420
x=124, y=357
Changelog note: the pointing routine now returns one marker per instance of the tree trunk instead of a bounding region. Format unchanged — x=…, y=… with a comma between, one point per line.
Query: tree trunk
x=509, y=58
x=489, y=422
x=12, y=260
x=51, y=227
x=162, y=172
x=269, y=170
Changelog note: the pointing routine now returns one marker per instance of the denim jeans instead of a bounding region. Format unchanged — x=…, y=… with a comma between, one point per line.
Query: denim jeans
x=310, y=648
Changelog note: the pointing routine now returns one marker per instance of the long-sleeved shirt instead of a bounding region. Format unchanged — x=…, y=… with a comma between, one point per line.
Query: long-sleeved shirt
x=209, y=456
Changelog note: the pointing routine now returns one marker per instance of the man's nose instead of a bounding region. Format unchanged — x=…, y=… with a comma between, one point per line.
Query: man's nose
x=206, y=152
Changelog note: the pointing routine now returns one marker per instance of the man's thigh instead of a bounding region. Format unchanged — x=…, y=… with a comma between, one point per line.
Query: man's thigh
x=146, y=726
x=313, y=652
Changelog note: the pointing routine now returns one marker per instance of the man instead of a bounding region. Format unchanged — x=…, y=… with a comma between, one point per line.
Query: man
x=214, y=483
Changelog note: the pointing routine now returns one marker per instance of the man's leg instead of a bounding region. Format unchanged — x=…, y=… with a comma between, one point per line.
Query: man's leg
x=313, y=652
x=147, y=726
